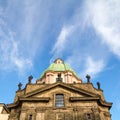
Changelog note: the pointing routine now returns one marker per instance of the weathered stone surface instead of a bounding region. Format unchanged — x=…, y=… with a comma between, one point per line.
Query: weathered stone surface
x=80, y=101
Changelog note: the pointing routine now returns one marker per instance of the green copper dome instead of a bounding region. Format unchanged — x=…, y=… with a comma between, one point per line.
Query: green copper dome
x=59, y=66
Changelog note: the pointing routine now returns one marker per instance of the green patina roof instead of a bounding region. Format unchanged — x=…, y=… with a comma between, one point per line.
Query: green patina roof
x=59, y=67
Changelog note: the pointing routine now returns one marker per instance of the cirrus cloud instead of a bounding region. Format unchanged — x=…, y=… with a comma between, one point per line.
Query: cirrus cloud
x=102, y=18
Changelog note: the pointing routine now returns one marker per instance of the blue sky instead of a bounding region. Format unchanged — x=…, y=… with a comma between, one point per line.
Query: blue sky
x=84, y=33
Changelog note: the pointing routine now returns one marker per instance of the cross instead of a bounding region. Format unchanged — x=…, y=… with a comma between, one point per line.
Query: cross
x=88, y=78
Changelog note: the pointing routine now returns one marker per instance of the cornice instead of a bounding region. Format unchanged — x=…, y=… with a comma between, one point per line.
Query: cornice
x=98, y=99
x=40, y=99
x=31, y=99
x=73, y=99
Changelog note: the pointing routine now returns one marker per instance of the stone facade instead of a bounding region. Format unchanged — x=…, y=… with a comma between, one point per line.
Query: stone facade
x=59, y=100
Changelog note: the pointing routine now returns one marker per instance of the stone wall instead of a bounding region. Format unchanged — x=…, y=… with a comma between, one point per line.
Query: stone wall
x=72, y=110
x=61, y=114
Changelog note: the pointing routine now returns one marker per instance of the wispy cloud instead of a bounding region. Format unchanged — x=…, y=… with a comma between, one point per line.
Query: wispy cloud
x=10, y=56
x=93, y=67
x=86, y=34
x=21, y=34
x=62, y=39
x=102, y=17
x=105, y=19
x=85, y=64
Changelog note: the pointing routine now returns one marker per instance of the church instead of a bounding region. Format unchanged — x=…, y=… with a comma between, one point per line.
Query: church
x=59, y=94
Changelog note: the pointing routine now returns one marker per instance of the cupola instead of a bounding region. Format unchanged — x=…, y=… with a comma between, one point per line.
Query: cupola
x=50, y=75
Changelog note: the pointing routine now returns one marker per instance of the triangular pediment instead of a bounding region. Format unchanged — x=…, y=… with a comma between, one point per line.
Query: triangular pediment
x=74, y=94
x=61, y=88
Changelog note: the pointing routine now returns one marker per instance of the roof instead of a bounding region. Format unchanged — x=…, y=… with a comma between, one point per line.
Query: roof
x=59, y=66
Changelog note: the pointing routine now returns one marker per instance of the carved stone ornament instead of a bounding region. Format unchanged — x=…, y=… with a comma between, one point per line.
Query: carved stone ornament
x=19, y=86
x=88, y=78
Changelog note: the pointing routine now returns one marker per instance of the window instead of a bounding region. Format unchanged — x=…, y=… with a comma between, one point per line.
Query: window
x=88, y=116
x=30, y=118
x=59, y=100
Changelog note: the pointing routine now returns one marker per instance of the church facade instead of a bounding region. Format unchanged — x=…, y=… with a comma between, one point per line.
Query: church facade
x=59, y=95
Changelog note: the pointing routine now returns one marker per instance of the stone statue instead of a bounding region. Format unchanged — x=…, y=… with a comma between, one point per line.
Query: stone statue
x=59, y=75
x=30, y=79
x=59, y=79
x=88, y=78
x=19, y=86
x=98, y=84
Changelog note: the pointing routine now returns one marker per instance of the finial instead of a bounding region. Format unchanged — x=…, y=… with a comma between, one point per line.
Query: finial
x=19, y=86
x=88, y=78
x=59, y=61
x=30, y=79
x=59, y=79
x=98, y=84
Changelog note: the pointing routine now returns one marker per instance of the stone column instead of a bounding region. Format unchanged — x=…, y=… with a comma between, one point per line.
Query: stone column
x=75, y=113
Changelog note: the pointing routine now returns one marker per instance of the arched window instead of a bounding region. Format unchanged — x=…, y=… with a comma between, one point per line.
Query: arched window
x=30, y=117
x=59, y=100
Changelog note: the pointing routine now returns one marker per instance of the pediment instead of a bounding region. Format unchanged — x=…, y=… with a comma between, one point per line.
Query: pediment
x=74, y=94
x=59, y=87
